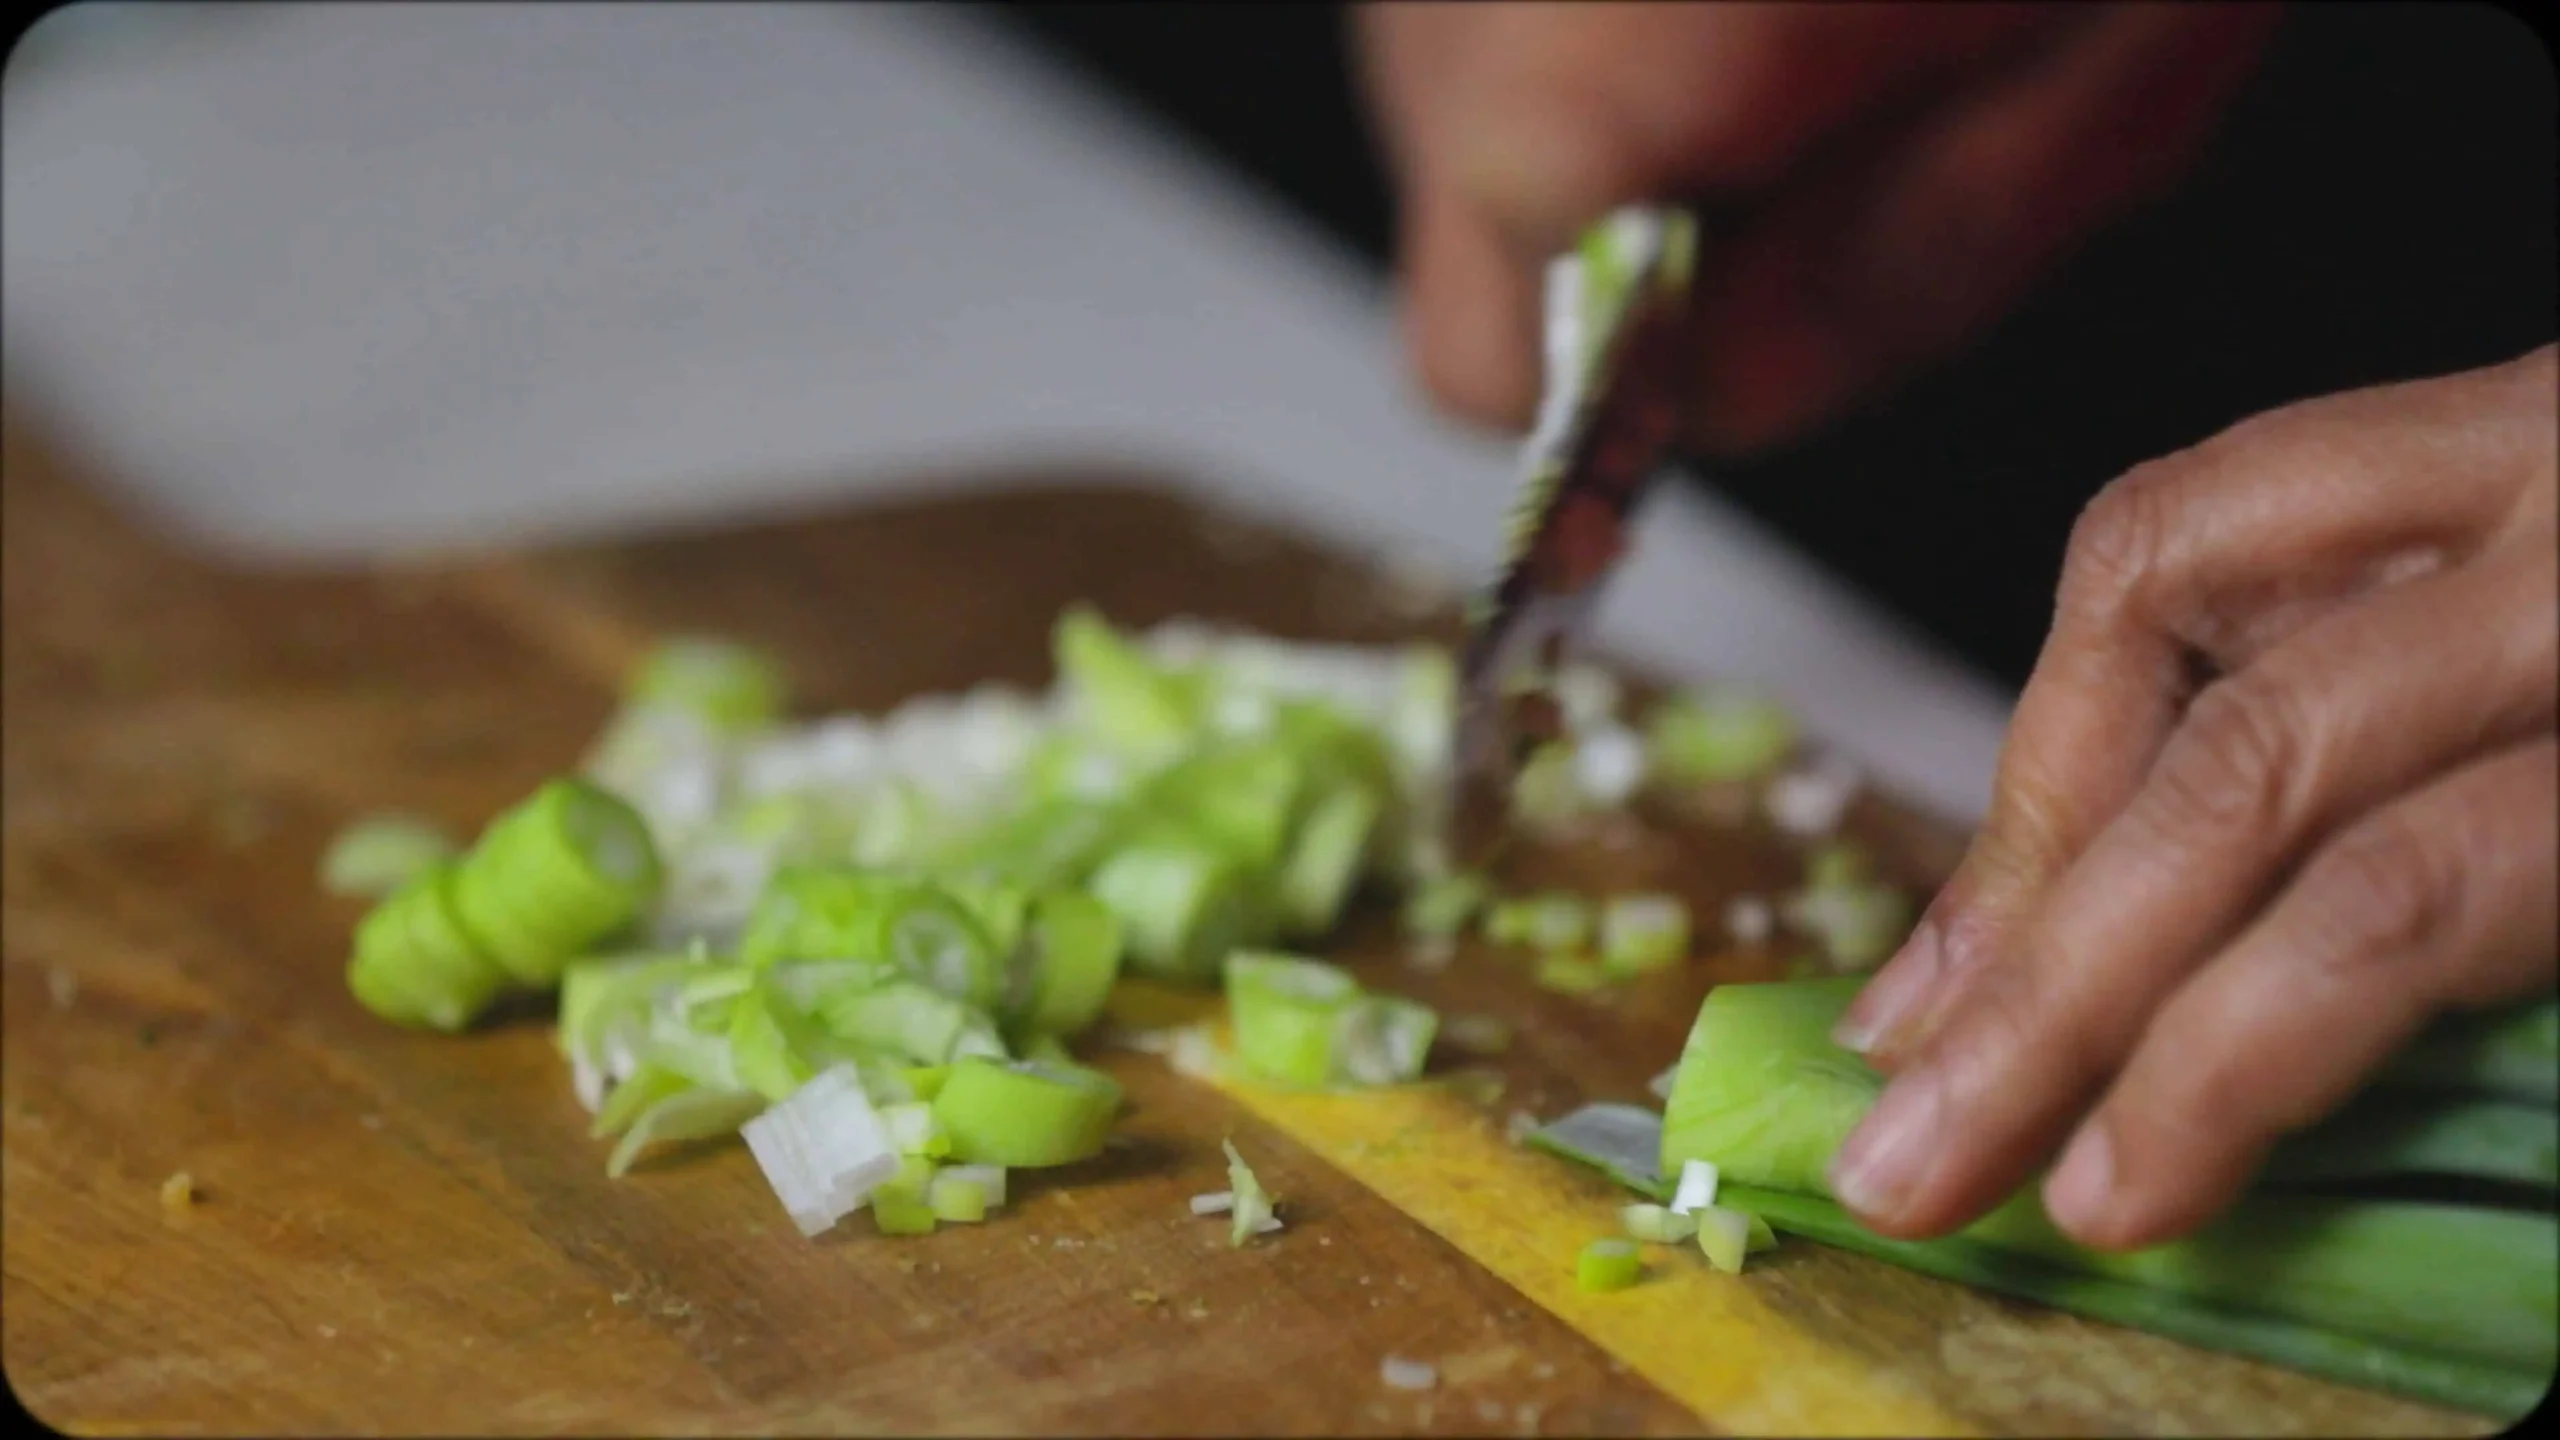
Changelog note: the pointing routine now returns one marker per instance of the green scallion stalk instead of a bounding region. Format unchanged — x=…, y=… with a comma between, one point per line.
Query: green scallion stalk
x=727, y=686
x=1764, y=1094
x=2386, y=1133
x=1606, y=1265
x=1714, y=736
x=2511, y=1053
x=1025, y=1114
x=2418, y=1373
x=379, y=854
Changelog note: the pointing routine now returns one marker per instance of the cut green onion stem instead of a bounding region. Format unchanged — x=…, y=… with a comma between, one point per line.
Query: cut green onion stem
x=1251, y=1214
x=1441, y=908
x=1181, y=906
x=377, y=855
x=554, y=877
x=416, y=963
x=725, y=685
x=1605, y=1265
x=1724, y=1236
x=1656, y=1224
x=1643, y=932
x=1025, y=1114
x=1713, y=736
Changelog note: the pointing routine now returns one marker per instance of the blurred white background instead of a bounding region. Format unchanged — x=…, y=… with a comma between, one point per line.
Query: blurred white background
x=320, y=280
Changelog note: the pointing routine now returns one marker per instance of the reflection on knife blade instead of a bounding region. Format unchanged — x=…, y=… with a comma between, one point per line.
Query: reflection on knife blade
x=1615, y=309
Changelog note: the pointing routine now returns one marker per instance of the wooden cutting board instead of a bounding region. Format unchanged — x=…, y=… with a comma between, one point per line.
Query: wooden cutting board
x=396, y=1232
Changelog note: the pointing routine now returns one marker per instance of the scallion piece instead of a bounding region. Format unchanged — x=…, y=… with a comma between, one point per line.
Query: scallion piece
x=377, y=855
x=1836, y=866
x=1325, y=860
x=1697, y=1188
x=1570, y=974
x=1441, y=908
x=1656, y=1224
x=1605, y=1265
x=901, y=1212
x=554, y=877
x=1718, y=735
x=1252, y=1211
x=1858, y=925
x=956, y=1202
x=416, y=963
x=989, y=1180
x=1724, y=1237
x=1025, y=1114
x=689, y=1115
x=823, y=1150
x=914, y=1130
x=725, y=685
x=1288, y=1016
x=1120, y=692
x=1075, y=945
x=1642, y=932
x=1182, y=906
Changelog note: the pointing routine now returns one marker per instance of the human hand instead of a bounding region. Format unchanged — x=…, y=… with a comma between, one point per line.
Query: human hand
x=2284, y=784
x=1913, y=169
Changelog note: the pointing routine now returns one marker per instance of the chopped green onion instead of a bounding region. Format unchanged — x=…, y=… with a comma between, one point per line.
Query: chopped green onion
x=1048, y=1050
x=2512, y=1053
x=1325, y=860
x=1252, y=1211
x=1130, y=701
x=1697, y=1188
x=1656, y=1224
x=1570, y=974
x=1606, y=1265
x=989, y=1180
x=1215, y=1202
x=647, y=1086
x=1075, y=943
x=1713, y=736
x=416, y=963
x=1479, y=1034
x=1642, y=932
x=379, y=854
x=1839, y=865
x=914, y=1131
x=1441, y=908
x=1858, y=925
x=823, y=1150
x=902, y=1212
x=957, y=1202
x=1304, y=1023
x=1288, y=1016
x=1025, y=1114
x=1182, y=907
x=1760, y=1238
x=555, y=876
x=724, y=684
x=690, y=1115
x=925, y=1081
x=1558, y=921
x=1724, y=1236
x=1548, y=791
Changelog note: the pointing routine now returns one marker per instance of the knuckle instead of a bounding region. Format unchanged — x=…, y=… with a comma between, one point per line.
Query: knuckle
x=2235, y=762
x=2382, y=892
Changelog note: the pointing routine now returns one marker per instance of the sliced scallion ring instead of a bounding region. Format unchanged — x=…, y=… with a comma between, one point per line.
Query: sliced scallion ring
x=1182, y=906
x=1025, y=1114
x=1606, y=1265
x=1325, y=860
x=377, y=855
x=555, y=876
x=417, y=963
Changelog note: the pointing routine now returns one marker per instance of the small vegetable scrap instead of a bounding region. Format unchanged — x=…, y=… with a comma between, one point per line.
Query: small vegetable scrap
x=1609, y=1264
x=177, y=1194
x=1402, y=1374
x=377, y=855
x=1249, y=1206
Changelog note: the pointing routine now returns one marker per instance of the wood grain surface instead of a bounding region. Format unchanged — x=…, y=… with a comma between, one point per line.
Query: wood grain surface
x=410, y=1234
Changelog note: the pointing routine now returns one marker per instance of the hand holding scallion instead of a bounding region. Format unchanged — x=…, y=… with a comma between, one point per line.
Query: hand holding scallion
x=2283, y=787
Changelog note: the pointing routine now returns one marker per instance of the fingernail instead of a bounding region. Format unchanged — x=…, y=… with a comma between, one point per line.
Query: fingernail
x=1897, y=990
x=2077, y=1192
x=1876, y=1172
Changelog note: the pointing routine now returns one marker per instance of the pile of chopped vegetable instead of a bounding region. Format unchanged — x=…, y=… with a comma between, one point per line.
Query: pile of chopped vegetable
x=864, y=943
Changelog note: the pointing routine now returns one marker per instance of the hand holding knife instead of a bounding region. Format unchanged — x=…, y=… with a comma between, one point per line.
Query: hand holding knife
x=1615, y=308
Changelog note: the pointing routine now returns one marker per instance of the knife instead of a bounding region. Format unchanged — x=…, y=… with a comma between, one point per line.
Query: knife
x=1615, y=308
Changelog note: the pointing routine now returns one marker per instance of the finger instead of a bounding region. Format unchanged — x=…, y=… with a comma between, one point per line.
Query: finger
x=1470, y=313
x=1905, y=252
x=2441, y=900
x=2368, y=702
x=1579, y=108
x=2219, y=551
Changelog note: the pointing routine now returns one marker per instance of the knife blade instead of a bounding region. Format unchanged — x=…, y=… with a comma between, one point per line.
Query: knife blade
x=1614, y=315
